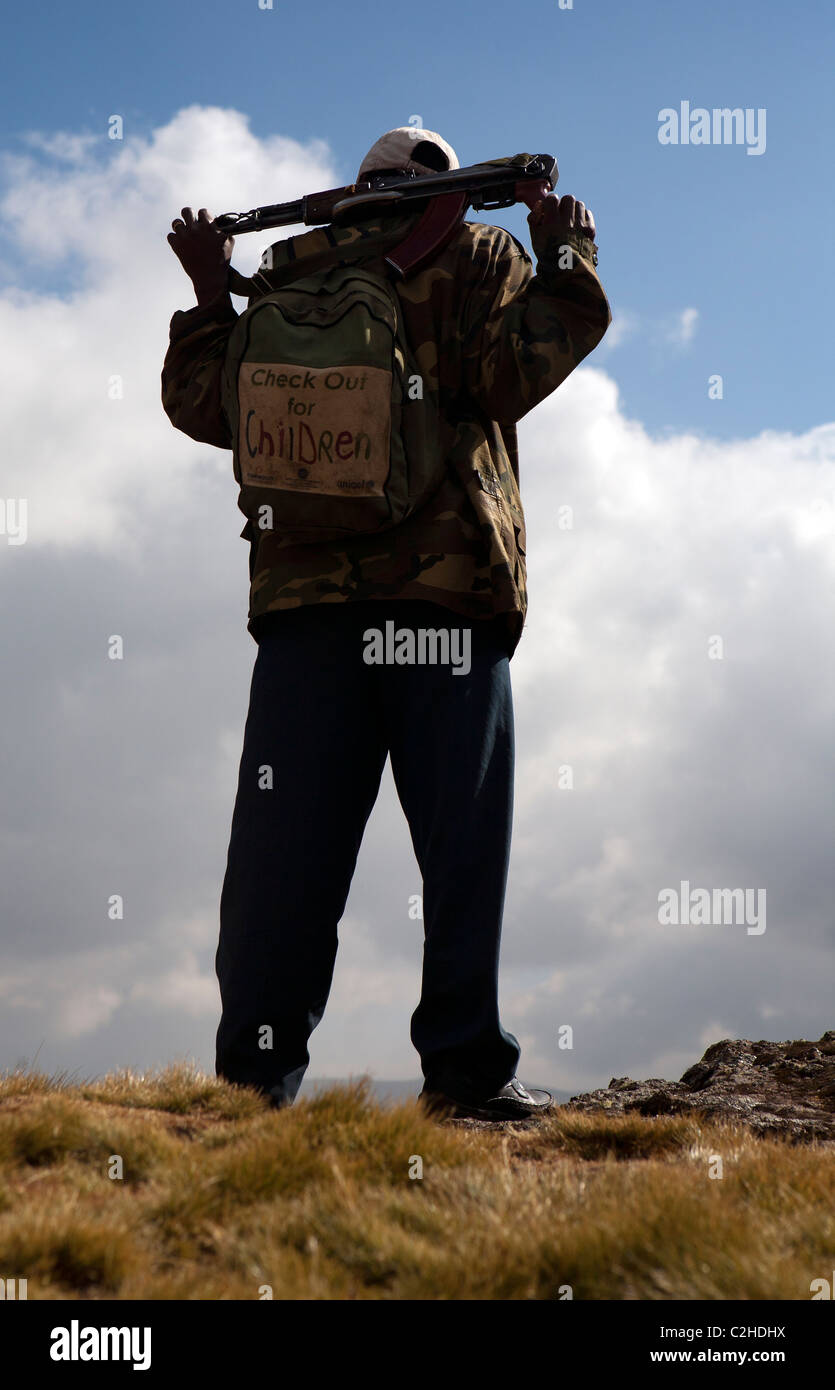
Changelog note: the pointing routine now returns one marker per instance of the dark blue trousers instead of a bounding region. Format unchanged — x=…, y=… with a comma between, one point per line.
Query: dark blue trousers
x=321, y=722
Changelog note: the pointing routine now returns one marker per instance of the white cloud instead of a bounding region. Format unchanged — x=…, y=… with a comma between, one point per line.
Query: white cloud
x=85, y=1011
x=185, y=987
x=65, y=145
x=624, y=325
x=97, y=471
x=684, y=327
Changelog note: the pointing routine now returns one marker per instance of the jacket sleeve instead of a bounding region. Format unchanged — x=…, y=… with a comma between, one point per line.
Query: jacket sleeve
x=191, y=373
x=524, y=333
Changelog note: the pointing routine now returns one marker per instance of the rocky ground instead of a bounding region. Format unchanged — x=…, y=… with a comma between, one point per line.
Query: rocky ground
x=775, y=1087
x=783, y=1088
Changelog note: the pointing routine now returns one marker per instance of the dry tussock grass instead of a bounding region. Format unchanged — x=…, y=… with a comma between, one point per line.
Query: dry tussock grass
x=221, y=1196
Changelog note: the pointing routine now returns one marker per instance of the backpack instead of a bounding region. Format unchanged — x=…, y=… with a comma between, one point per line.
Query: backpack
x=334, y=428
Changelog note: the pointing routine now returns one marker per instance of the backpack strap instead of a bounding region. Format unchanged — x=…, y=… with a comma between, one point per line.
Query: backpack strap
x=398, y=256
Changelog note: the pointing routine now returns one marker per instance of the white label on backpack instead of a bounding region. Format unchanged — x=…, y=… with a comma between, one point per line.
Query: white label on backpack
x=314, y=429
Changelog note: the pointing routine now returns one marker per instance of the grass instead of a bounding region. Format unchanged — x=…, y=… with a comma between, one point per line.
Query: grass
x=222, y=1198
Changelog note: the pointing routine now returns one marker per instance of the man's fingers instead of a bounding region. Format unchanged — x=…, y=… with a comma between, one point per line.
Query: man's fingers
x=187, y=223
x=566, y=212
x=585, y=220
x=542, y=209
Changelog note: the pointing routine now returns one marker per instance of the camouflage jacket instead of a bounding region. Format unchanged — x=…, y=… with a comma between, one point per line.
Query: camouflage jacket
x=495, y=339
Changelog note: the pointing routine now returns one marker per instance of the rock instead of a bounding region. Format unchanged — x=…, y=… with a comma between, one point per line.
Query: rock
x=774, y=1087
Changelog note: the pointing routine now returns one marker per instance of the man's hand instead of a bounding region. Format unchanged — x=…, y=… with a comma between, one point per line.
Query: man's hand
x=203, y=252
x=561, y=215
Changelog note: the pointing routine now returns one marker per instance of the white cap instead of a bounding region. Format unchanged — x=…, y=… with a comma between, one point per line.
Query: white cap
x=396, y=149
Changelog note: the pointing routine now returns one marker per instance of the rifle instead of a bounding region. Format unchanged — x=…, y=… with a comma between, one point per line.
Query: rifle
x=497, y=183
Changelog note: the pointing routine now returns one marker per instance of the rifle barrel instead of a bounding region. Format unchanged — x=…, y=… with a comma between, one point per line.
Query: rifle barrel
x=491, y=184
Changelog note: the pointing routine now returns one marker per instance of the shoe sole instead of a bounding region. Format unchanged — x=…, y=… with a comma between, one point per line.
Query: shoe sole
x=453, y=1110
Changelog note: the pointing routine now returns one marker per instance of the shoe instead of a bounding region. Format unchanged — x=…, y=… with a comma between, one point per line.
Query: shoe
x=512, y=1102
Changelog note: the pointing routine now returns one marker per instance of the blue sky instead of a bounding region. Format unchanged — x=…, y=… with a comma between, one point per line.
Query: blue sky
x=742, y=239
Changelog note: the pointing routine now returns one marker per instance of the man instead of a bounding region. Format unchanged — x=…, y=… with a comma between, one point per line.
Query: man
x=493, y=339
